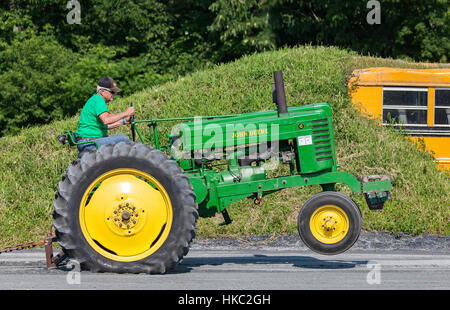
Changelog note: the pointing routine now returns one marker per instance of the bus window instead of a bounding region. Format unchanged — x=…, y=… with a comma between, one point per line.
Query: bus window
x=442, y=106
x=405, y=105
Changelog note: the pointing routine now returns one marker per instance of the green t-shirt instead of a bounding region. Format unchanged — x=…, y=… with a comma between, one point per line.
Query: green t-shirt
x=90, y=125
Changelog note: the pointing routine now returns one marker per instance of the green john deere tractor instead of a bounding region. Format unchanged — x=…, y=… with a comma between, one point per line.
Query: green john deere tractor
x=131, y=207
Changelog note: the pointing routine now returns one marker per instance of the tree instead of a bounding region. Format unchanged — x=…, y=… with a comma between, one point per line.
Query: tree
x=33, y=74
x=414, y=29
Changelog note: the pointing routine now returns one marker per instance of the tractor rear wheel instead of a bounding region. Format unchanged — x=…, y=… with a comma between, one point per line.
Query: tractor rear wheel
x=125, y=208
x=329, y=223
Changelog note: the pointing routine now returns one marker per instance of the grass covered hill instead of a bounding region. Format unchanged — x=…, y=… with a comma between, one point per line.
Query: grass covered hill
x=33, y=162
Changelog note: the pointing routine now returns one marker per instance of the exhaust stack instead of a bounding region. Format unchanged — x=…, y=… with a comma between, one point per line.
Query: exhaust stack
x=278, y=94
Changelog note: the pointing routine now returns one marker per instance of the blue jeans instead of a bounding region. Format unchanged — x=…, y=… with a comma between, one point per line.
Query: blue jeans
x=113, y=139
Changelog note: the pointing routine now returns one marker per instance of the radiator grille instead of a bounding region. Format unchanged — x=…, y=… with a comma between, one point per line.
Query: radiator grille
x=321, y=140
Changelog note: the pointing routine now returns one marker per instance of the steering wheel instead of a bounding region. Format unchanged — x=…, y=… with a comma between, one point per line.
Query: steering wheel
x=133, y=130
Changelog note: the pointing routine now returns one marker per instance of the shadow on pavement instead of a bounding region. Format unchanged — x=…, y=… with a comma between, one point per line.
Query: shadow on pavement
x=296, y=261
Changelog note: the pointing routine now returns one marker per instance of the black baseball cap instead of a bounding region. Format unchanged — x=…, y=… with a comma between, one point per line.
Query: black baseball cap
x=109, y=84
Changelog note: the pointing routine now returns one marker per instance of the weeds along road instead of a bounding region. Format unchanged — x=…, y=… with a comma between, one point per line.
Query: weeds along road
x=376, y=261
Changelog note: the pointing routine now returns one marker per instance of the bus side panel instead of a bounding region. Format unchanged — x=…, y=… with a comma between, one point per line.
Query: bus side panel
x=440, y=146
x=368, y=99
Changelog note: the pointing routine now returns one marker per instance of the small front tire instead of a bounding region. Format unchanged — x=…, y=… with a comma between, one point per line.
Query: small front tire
x=329, y=223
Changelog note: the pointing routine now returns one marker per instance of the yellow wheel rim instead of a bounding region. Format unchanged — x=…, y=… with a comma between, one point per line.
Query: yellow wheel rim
x=329, y=224
x=125, y=215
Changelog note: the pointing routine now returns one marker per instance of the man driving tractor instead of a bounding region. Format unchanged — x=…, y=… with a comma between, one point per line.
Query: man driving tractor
x=95, y=119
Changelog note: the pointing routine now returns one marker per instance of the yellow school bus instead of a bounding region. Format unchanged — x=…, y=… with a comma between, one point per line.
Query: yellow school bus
x=418, y=100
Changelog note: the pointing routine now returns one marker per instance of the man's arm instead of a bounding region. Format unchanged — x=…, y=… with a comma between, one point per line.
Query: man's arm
x=115, y=119
x=119, y=123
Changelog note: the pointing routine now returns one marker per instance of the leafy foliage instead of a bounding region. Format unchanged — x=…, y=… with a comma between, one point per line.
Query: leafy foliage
x=414, y=29
x=32, y=78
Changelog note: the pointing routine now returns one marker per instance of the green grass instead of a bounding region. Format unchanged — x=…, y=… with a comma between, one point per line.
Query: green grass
x=32, y=163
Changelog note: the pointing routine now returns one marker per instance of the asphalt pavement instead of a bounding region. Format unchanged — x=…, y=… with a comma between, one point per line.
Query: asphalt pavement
x=378, y=261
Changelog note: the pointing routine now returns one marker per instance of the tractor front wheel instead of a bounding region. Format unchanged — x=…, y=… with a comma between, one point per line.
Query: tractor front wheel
x=125, y=208
x=329, y=223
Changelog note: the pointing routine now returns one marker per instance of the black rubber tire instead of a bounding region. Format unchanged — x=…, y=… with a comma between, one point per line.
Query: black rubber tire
x=340, y=200
x=90, y=166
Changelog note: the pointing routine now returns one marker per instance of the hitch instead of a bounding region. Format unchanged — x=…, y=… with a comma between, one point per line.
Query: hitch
x=52, y=261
